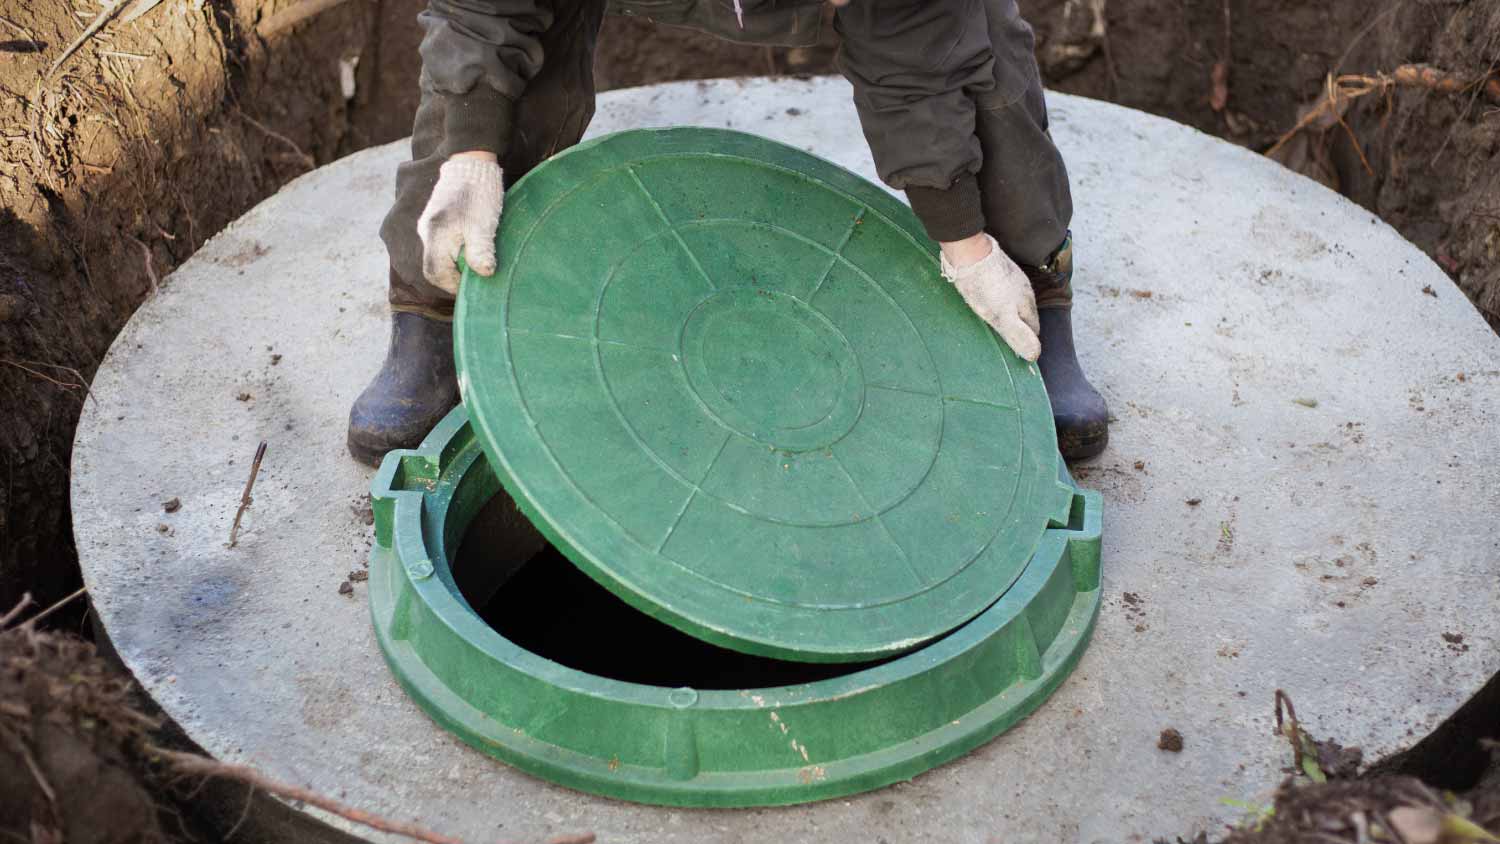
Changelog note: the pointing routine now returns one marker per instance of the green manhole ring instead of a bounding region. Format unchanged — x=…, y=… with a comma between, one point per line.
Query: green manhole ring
x=725, y=378
x=698, y=747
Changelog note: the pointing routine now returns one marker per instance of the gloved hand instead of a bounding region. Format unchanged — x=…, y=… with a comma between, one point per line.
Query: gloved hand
x=998, y=291
x=462, y=213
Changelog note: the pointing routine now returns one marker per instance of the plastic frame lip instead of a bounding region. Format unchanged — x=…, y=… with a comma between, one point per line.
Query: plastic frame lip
x=686, y=747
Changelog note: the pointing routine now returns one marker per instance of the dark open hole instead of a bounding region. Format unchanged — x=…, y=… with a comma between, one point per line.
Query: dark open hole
x=552, y=609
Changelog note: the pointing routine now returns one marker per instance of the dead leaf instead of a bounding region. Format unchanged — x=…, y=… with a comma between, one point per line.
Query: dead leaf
x=1337, y=761
x=1416, y=824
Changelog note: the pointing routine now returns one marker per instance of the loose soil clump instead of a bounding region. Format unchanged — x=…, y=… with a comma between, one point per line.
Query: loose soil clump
x=70, y=763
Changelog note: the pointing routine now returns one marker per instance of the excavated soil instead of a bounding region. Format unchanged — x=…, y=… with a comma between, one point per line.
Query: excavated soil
x=71, y=769
x=115, y=167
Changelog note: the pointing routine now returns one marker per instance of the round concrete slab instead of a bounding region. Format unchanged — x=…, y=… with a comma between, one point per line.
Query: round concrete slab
x=1297, y=488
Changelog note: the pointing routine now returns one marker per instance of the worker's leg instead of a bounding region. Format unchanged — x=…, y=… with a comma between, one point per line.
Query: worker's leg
x=417, y=386
x=1028, y=207
x=550, y=117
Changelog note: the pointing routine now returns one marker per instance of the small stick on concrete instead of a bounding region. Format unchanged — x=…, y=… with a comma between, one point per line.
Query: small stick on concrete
x=31, y=622
x=234, y=530
x=1295, y=734
x=191, y=764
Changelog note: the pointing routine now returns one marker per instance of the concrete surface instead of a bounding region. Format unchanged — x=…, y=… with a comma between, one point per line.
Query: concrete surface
x=1270, y=352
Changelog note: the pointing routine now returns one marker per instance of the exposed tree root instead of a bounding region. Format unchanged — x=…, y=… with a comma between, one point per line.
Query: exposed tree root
x=1340, y=91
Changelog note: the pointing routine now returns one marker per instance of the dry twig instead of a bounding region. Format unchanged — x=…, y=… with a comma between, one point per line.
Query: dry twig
x=20, y=607
x=104, y=16
x=81, y=384
x=192, y=765
x=245, y=499
x=1283, y=699
x=308, y=160
x=31, y=622
x=150, y=269
x=293, y=16
x=30, y=36
x=141, y=8
x=1219, y=95
x=36, y=774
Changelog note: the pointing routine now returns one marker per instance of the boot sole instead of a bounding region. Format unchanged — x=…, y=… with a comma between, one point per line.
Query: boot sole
x=364, y=454
x=1081, y=445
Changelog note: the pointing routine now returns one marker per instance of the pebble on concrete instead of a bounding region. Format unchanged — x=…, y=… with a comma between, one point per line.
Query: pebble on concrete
x=1170, y=741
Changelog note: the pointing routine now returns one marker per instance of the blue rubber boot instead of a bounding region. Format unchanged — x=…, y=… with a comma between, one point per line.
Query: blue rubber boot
x=1079, y=411
x=415, y=389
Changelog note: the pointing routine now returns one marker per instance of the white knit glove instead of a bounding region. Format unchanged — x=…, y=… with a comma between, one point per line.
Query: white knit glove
x=463, y=213
x=998, y=291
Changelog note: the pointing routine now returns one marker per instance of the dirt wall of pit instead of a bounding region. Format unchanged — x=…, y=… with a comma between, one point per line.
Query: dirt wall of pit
x=156, y=133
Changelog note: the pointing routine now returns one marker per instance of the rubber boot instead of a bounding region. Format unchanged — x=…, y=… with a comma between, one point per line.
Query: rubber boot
x=1078, y=410
x=414, y=390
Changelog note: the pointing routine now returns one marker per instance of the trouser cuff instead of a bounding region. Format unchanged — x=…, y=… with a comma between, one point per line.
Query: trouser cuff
x=436, y=312
x=951, y=213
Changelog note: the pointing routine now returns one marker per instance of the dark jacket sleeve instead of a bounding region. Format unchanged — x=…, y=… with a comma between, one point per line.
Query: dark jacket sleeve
x=477, y=56
x=917, y=67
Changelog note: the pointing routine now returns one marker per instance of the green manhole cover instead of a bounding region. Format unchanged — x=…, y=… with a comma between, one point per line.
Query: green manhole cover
x=726, y=379
x=839, y=730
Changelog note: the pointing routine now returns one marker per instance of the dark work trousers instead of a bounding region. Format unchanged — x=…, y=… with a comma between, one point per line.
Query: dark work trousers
x=1023, y=182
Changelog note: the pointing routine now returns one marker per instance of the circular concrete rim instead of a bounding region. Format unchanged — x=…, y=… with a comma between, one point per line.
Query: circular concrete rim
x=683, y=746
x=263, y=659
x=986, y=410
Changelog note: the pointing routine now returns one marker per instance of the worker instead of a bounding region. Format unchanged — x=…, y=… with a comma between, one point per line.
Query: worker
x=949, y=98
